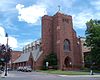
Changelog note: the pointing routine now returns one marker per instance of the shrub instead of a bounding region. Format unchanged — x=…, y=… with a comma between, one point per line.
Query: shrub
x=52, y=60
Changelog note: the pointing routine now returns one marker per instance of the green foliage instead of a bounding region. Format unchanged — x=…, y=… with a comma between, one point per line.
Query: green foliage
x=93, y=33
x=52, y=60
x=87, y=60
x=5, y=53
x=93, y=40
x=66, y=72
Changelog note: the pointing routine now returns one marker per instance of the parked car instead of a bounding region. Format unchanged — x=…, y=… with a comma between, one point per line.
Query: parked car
x=24, y=69
x=28, y=69
x=19, y=68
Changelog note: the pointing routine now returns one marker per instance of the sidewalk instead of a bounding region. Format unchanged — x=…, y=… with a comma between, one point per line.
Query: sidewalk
x=79, y=75
x=2, y=75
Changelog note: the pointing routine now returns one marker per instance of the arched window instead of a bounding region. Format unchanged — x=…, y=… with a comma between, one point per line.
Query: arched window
x=66, y=45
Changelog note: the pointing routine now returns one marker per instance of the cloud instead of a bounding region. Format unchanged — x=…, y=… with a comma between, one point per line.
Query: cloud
x=9, y=24
x=12, y=42
x=7, y=5
x=96, y=4
x=24, y=43
x=7, y=14
x=81, y=18
x=33, y=13
x=30, y=14
x=2, y=32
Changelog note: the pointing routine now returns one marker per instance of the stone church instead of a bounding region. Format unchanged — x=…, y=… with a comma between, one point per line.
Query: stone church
x=59, y=37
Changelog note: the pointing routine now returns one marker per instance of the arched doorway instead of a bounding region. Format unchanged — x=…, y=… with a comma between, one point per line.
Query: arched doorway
x=68, y=62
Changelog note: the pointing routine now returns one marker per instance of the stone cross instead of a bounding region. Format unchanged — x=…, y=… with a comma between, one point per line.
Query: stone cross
x=58, y=8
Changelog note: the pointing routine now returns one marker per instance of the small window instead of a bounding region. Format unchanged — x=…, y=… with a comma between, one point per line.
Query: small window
x=65, y=20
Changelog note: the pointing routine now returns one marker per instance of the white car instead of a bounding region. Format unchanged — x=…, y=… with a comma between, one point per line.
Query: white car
x=27, y=69
x=19, y=68
x=24, y=69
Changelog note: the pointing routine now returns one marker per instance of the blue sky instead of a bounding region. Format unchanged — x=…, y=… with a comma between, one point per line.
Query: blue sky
x=21, y=19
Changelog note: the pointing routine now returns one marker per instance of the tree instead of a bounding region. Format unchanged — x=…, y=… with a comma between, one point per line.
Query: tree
x=4, y=54
x=52, y=60
x=93, y=40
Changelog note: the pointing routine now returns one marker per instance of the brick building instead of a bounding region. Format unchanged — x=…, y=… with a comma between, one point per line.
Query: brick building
x=85, y=51
x=29, y=57
x=14, y=56
x=59, y=37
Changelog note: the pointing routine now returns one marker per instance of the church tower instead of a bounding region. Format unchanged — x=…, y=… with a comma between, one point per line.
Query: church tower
x=58, y=36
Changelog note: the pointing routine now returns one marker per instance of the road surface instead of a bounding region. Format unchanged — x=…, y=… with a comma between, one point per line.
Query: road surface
x=14, y=75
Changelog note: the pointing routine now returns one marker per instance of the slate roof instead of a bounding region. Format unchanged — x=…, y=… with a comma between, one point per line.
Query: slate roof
x=36, y=54
x=24, y=57
x=35, y=51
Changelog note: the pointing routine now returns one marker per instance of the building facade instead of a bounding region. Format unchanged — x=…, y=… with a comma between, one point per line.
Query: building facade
x=85, y=51
x=59, y=37
x=14, y=56
x=31, y=53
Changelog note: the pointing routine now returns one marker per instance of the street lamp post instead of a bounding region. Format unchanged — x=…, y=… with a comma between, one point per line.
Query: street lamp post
x=6, y=54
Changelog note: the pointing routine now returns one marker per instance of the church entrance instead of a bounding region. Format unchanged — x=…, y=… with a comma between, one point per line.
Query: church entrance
x=68, y=63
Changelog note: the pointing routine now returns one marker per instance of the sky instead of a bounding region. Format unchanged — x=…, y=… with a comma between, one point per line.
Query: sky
x=21, y=19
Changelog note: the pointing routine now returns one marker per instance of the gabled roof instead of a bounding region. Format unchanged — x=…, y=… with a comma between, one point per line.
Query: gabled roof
x=24, y=57
x=35, y=51
x=36, y=54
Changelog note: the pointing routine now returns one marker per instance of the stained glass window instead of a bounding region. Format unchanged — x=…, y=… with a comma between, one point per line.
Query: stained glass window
x=66, y=45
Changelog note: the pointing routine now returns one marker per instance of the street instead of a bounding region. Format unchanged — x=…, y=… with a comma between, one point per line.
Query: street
x=14, y=75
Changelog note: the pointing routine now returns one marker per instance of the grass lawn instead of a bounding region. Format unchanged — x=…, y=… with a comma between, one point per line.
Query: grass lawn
x=65, y=72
